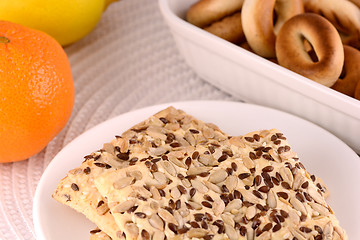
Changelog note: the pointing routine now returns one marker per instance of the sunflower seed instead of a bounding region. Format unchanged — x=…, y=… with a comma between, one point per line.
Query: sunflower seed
x=135, y=174
x=298, y=180
x=160, y=177
x=218, y=176
x=287, y=155
x=316, y=196
x=286, y=175
x=122, y=207
x=231, y=232
x=179, y=219
x=168, y=168
x=197, y=170
x=250, y=234
x=228, y=219
x=248, y=162
x=186, y=183
x=167, y=217
x=190, y=138
x=328, y=231
x=132, y=230
x=272, y=199
x=294, y=217
x=231, y=182
x=319, y=208
x=195, y=205
x=218, y=207
x=298, y=205
x=156, y=222
x=123, y=182
x=154, y=205
x=234, y=204
x=141, y=191
x=207, y=160
x=177, y=162
x=237, y=141
x=155, y=193
x=196, y=233
x=155, y=132
x=249, y=196
x=157, y=151
x=250, y=212
x=199, y=186
x=175, y=193
x=297, y=234
x=213, y=187
x=184, y=212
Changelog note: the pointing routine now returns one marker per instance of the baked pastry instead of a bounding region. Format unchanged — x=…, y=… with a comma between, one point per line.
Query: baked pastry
x=205, y=12
x=219, y=17
x=182, y=178
x=258, y=22
x=78, y=191
x=326, y=42
x=343, y=14
x=349, y=78
x=229, y=28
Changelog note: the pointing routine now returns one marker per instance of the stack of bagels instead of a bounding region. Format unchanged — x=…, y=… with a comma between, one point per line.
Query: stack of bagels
x=318, y=39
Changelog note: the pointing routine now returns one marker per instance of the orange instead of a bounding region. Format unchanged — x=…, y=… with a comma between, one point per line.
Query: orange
x=36, y=91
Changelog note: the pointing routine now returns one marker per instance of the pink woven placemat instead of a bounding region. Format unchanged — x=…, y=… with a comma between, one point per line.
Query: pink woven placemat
x=129, y=61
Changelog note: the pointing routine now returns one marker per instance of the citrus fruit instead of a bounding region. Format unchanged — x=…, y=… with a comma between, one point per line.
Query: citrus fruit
x=36, y=91
x=65, y=20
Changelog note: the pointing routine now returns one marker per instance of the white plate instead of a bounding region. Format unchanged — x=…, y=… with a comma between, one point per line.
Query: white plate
x=322, y=153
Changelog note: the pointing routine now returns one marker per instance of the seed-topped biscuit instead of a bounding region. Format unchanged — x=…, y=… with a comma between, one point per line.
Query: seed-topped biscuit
x=77, y=189
x=218, y=188
x=176, y=177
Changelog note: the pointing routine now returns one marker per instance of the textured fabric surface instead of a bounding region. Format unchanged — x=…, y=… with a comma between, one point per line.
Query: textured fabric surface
x=129, y=61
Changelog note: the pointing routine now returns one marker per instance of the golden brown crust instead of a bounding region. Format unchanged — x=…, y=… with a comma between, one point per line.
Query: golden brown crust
x=347, y=83
x=205, y=12
x=229, y=28
x=356, y=2
x=258, y=23
x=325, y=40
x=343, y=14
x=357, y=91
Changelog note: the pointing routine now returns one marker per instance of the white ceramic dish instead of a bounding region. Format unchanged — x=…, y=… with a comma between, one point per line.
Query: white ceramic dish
x=321, y=152
x=257, y=80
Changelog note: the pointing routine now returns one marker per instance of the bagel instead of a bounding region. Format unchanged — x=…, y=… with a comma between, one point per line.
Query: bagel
x=324, y=39
x=343, y=14
x=229, y=28
x=258, y=22
x=350, y=76
x=205, y=12
x=356, y=2
x=357, y=91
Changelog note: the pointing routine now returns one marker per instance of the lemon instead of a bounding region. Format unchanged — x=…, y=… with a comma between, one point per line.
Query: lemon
x=66, y=20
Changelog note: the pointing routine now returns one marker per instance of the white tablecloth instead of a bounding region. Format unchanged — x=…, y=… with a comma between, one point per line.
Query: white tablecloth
x=129, y=61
